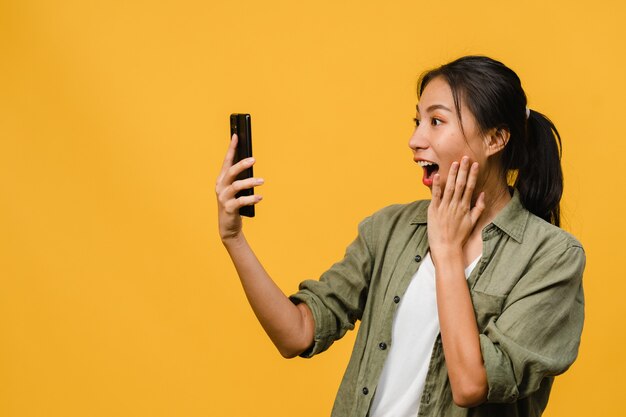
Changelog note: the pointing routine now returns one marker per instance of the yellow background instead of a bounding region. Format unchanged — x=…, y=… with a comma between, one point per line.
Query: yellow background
x=116, y=296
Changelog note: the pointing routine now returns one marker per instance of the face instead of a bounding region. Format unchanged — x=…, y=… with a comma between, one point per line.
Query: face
x=438, y=140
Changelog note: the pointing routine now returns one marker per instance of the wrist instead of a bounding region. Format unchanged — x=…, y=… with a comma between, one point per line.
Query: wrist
x=234, y=241
x=446, y=254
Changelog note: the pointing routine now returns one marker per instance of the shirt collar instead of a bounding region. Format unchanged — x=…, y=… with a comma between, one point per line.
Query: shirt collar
x=511, y=219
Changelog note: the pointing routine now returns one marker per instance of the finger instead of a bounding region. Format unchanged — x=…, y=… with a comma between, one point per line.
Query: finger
x=238, y=168
x=229, y=193
x=471, y=184
x=461, y=179
x=477, y=210
x=449, y=189
x=230, y=154
x=245, y=184
x=436, y=190
x=235, y=204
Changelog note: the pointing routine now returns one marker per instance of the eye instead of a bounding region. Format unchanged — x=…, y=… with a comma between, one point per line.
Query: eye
x=435, y=122
x=417, y=121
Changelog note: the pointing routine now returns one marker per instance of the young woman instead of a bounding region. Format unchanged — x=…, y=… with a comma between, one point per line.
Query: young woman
x=470, y=303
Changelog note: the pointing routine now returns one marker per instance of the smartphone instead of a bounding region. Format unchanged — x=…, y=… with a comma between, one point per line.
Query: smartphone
x=240, y=124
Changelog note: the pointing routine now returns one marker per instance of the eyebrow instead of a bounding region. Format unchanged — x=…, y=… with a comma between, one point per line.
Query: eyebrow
x=434, y=107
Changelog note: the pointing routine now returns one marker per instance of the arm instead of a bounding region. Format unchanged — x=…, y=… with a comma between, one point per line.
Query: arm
x=537, y=333
x=459, y=333
x=337, y=300
x=289, y=326
x=526, y=336
x=450, y=222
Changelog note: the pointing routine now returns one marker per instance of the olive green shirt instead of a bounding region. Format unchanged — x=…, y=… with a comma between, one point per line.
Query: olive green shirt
x=527, y=296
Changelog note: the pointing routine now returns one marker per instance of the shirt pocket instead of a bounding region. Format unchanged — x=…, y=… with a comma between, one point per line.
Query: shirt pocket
x=486, y=307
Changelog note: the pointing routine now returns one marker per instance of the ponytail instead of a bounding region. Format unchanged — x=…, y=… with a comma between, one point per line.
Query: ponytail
x=539, y=178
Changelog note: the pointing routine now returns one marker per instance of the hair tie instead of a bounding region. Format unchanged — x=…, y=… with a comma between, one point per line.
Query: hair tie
x=527, y=112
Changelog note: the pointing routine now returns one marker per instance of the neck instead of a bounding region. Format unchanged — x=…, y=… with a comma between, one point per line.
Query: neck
x=496, y=198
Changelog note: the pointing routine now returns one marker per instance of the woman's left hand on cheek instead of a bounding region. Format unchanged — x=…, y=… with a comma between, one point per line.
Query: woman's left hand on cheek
x=451, y=218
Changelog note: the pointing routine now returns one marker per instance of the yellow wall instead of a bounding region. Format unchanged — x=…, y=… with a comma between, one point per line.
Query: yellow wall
x=116, y=297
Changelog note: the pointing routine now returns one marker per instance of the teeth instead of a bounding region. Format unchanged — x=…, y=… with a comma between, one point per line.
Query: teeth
x=424, y=163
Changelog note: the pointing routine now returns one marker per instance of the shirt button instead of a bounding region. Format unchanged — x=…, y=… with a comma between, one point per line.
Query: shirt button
x=418, y=258
x=365, y=391
x=382, y=345
x=427, y=397
x=396, y=299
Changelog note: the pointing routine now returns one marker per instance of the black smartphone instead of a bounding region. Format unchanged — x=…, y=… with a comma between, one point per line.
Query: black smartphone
x=240, y=124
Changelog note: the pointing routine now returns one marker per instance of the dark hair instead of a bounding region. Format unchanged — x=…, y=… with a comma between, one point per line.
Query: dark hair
x=531, y=159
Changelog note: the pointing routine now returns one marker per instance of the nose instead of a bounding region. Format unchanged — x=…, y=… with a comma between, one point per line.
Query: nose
x=418, y=139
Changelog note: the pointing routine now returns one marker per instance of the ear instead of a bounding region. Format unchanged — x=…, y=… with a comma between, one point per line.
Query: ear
x=496, y=139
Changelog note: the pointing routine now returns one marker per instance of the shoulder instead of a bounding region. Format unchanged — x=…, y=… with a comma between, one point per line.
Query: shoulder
x=397, y=221
x=531, y=258
x=540, y=232
x=414, y=212
x=530, y=232
x=551, y=252
x=530, y=250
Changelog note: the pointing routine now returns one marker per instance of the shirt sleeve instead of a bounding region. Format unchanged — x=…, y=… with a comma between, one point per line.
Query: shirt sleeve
x=337, y=300
x=538, y=332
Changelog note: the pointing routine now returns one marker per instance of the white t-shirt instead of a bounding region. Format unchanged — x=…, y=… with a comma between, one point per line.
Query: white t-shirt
x=415, y=329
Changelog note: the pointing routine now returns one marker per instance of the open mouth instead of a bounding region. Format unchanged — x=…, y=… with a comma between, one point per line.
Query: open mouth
x=430, y=169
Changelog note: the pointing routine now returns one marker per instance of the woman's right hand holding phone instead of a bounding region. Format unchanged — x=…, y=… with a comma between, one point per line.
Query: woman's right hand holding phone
x=291, y=327
x=226, y=188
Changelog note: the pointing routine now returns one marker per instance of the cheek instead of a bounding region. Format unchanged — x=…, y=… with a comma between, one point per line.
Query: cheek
x=452, y=145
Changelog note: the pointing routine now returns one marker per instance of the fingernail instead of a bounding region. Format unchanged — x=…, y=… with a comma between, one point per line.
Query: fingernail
x=251, y=160
x=259, y=181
